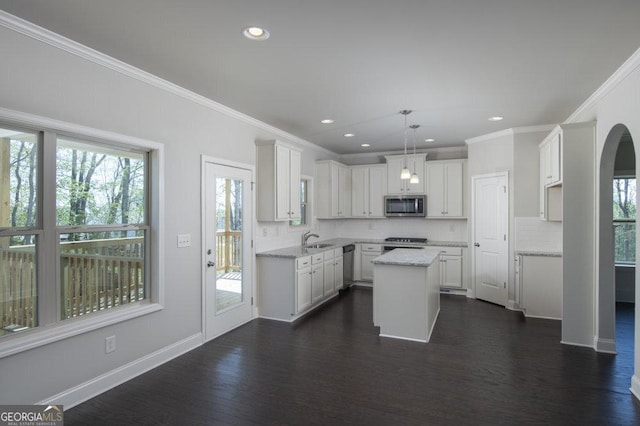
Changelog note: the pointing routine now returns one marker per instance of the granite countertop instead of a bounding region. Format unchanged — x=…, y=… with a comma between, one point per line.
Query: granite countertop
x=538, y=253
x=299, y=251
x=408, y=257
x=462, y=244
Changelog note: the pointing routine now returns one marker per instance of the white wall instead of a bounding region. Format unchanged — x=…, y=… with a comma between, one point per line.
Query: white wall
x=40, y=79
x=616, y=102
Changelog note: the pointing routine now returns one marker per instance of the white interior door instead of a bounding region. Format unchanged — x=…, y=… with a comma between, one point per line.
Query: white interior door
x=490, y=236
x=227, y=243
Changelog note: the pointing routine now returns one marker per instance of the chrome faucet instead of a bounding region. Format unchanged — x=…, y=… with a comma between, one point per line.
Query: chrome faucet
x=308, y=235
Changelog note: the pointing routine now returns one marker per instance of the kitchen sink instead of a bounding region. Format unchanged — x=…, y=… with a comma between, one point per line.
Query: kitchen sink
x=318, y=245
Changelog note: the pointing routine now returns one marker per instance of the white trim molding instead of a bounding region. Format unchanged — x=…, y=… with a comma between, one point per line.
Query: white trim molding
x=628, y=67
x=607, y=346
x=510, y=132
x=635, y=386
x=43, y=35
x=94, y=387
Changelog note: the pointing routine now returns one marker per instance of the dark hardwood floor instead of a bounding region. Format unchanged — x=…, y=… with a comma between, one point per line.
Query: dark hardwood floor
x=484, y=365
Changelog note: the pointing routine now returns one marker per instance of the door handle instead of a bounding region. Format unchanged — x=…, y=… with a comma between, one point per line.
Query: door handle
x=477, y=244
x=211, y=264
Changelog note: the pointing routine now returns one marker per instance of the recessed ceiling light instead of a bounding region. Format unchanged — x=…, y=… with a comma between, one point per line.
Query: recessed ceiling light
x=430, y=140
x=255, y=33
x=349, y=135
x=495, y=118
x=365, y=145
x=327, y=121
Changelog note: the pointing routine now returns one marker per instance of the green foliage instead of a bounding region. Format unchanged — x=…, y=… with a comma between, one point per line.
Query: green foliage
x=624, y=215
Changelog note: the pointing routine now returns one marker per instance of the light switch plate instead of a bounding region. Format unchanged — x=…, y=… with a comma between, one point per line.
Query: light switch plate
x=184, y=240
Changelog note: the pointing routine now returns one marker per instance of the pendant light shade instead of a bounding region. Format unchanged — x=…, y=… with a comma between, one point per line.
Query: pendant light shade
x=405, y=173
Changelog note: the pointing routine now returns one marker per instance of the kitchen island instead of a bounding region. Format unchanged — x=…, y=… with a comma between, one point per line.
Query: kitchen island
x=406, y=293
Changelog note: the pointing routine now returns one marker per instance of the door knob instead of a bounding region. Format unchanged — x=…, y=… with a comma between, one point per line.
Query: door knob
x=211, y=264
x=477, y=244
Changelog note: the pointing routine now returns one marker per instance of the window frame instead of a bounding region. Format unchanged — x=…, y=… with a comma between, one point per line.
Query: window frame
x=615, y=222
x=51, y=327
x=308, y=210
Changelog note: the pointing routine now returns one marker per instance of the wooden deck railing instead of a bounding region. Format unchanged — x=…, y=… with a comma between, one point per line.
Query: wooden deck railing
x=100, y=274
x=229, y=251
x=95, y=275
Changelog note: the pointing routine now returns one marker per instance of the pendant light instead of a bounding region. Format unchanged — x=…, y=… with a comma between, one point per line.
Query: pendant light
x=405, y=173
x=414, y=176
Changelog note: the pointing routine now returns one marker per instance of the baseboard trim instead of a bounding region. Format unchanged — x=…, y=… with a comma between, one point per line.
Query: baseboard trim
x=635, y=386
x=512, y=305
x=94, y=387
x=582, y=345
x=607, y=346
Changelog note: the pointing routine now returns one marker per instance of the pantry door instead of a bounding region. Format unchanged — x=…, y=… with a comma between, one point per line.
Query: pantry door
x=490, y=222
x=227, y=245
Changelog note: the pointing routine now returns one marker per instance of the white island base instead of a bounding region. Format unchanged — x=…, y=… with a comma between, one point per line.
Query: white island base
x=406, y=293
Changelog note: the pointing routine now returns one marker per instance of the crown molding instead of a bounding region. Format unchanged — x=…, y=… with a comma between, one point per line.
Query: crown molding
x=628, y=67
x=490, y=136
x=58, y=41
x=510, y=132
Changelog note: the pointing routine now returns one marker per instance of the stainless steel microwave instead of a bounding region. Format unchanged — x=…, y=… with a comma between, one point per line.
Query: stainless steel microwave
x=405, y=206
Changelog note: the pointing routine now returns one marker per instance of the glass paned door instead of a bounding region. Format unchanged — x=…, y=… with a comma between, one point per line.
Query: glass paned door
x=228, y=243
x=228, y=252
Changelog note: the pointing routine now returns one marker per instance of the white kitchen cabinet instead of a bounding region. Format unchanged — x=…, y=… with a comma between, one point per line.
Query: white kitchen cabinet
x=550, y=158
x=333, y=190
x=329, y=272
x=278, y=181
x=338, y=281
x=368, y=252
x=368, y=186
x=289, y=288
x=395, y=164
x=303, y=284
x=333, y=269
x=451, y=260
x=317, y=283
x=445, y=188
x=550, y=195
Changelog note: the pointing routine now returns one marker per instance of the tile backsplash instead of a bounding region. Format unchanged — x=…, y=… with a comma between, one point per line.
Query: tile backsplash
x=534, y=234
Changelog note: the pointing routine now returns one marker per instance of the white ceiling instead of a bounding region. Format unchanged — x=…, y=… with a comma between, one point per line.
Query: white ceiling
x=454, y=62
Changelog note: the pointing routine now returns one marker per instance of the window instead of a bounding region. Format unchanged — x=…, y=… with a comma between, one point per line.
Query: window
x=100, y=213
x=75, y=231
x=624, y=219
x=305, y=212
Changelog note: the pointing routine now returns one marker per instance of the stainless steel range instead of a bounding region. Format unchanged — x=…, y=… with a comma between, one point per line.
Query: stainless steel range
x=403, y=242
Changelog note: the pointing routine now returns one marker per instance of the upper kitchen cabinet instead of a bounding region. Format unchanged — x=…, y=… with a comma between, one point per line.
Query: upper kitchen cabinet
x=445, y=188
x=551, y=158
x=368, y=187
x=278, y=180
x=333, y=190
x=395, y=164
x=550, y=154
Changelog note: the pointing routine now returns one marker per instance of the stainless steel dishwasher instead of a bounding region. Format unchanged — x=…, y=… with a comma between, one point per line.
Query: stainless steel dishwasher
x=347, y=274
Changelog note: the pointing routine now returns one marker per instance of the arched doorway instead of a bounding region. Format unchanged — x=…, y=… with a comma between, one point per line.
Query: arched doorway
x=614, y=175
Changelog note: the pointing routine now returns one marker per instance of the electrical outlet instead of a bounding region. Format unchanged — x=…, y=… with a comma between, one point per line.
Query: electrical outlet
x=110, y=344
x=184, y=240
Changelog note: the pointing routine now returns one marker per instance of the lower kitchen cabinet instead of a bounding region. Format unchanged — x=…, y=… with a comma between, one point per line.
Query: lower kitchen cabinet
x=333, y=269
x=368, y=252
x=451, y=267
x=290, y=287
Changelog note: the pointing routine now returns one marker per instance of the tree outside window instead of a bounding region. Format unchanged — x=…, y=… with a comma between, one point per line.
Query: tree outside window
x=624, y=219
x=304, y=205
